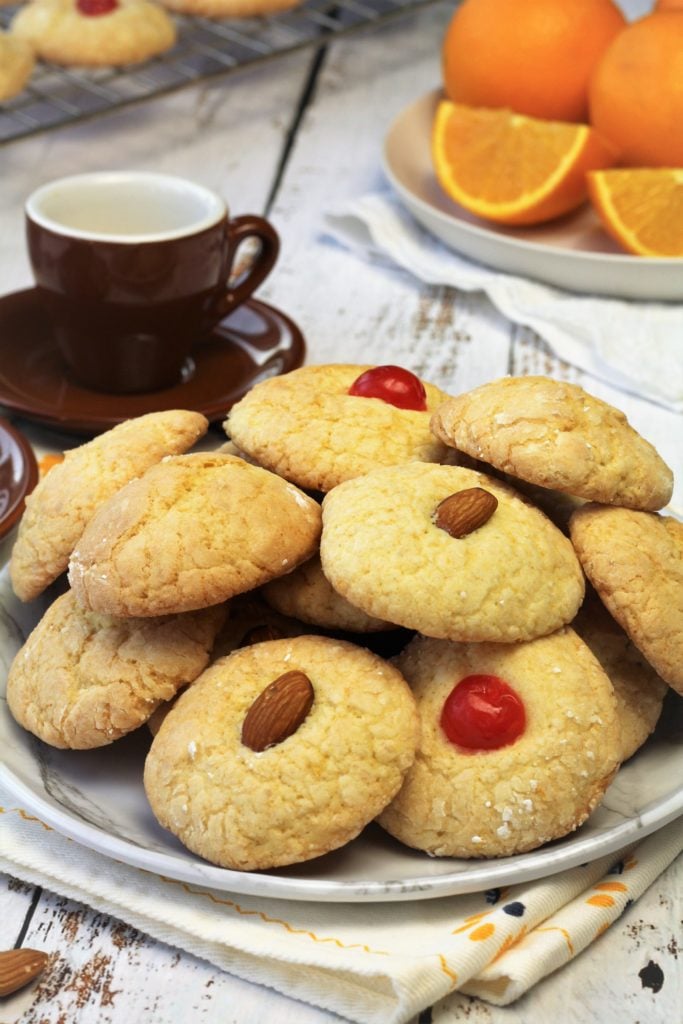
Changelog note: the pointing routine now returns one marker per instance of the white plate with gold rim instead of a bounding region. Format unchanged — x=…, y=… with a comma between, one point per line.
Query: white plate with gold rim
x=572, y=252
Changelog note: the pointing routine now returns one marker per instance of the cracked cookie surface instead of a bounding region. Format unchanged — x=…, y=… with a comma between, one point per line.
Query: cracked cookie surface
x=300, y=798
x=554, y=434
x=66, y=498
x=191, y=532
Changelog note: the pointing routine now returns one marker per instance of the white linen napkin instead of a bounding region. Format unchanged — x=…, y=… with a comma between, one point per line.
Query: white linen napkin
x=378, y=963
x=637, y=347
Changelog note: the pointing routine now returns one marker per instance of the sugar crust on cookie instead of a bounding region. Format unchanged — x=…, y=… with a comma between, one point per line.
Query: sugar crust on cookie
x=495, y=803
x=65, y=499
x=305, y=426
x=635, y=562
x=303, y=797
x=83, y=680
x=554, y=434
x=514, y=578
x=192, y=531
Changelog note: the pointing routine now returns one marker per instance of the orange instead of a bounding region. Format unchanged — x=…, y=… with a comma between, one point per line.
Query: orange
x=510, y=168
x=669, y=5
x=636, y=92
x=532, y=56
x=641, y=207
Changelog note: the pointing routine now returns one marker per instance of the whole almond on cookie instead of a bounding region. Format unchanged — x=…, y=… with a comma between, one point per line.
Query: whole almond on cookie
x=278, y=711
x=465, y=511
x=18, y=967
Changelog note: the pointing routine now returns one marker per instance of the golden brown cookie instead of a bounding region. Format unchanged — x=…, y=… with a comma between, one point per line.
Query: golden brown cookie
x=512, y=576
x=638, y=689
x=518, y=745
x=94, y=33
x=249, y=788
x=83, y=680
x=308, y=595
x=635, y=562
x=306, y=426
x=554, y=434
x=229, y=8
x=17, y=61
x=192, y=531
x=67, y=497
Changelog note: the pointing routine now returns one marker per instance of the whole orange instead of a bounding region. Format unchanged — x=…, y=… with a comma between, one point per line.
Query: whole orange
x=636, y=93
x=669, y=5
x=533, y=56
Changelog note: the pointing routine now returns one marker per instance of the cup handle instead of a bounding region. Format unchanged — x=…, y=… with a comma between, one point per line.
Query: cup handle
x=239, y=229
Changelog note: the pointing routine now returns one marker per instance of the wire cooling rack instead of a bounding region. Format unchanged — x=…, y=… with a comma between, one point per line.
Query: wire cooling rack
x=57, y=96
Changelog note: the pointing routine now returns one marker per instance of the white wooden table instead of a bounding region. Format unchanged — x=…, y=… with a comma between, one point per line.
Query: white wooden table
x=291, y=140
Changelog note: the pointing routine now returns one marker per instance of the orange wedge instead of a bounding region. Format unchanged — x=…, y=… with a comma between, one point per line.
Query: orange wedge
x=642, y=208
x=513, y=169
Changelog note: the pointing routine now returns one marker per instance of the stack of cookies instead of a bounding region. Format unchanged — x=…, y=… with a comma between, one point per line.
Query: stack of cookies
x=356, y=510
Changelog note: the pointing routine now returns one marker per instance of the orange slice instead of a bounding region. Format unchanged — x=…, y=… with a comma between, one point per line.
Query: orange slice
x=513, y=169
x=642, y=208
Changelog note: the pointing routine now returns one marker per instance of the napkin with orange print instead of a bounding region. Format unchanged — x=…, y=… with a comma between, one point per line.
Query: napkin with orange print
x=375, y=963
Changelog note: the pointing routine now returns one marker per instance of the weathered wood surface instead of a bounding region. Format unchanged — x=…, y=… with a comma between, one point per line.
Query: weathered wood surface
x=232, y=136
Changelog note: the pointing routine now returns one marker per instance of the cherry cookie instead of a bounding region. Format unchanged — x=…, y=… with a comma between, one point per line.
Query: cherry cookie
x=449, y=552
x=320, y=425
x=518, y=744
x=16, y=64
x=281, y=752
x=95, y=33
x=554, y=434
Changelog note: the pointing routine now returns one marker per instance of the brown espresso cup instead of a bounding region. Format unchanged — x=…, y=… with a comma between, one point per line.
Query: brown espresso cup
x=134, y=268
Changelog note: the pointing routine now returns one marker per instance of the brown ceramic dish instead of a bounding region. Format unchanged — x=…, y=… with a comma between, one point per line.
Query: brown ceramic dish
x=255, y=342
x=18, y=474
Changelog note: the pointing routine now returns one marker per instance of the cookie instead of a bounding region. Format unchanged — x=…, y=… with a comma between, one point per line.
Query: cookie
x=306, y=427
x=637, y=687
x=193, y=531
x=94, y=33
x=554, y=434
x=635, y=562
x=533, y=745
x=16, y=64
x=83, y=680
x=67, y=497
x=212, y=778
x=512, y=577
x=307, y=594
x=230, y=8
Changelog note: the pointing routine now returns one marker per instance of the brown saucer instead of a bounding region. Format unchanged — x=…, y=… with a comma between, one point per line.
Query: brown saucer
x=255, y=342
x=18, y=474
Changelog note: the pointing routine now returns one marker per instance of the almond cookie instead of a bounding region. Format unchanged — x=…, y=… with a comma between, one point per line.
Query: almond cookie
x=554, y=434
x=308, y=428
x=67, y=497
x=635, y=562
x=281, y=752
x=308, y=595
x=638, y=689
x=518, y=744
x=83, y=680
x=390, y=545
x=94, y=33
x=16, y=64
x=192, y=531
x=230, y=8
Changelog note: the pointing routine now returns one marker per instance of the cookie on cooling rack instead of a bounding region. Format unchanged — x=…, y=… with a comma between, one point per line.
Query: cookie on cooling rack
x=67, y=497
x=229, y=8
x=95, y=33
x=320, y=425
x=554, y=434
x=518, y=743
x=83, y=680
x=16, y=64
x=282, y=752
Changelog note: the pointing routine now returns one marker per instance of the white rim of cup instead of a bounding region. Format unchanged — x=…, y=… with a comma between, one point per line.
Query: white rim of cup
x=220, y=209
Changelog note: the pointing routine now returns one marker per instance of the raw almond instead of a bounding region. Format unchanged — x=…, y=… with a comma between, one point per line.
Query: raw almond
x=278, y=711
x=18, y=967
x=465, y=511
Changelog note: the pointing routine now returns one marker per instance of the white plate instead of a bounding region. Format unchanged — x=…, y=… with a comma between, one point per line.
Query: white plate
x=573, y=252
x=97, y=799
